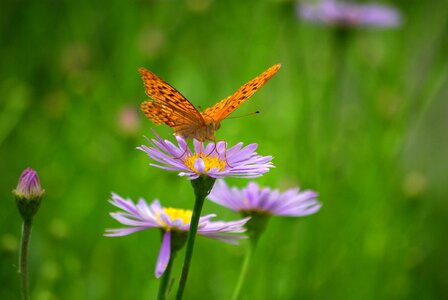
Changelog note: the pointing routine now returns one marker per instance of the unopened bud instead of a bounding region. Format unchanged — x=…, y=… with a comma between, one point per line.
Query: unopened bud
x=28, y=194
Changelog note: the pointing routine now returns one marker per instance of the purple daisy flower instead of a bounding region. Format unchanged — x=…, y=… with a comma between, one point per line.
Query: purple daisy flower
x=342, y=14
x=174, y=222
x=214, y=159
x=254, y=199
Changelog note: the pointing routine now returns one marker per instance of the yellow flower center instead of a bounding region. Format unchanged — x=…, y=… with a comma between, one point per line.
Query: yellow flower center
x=210, y=162
x=176, y=213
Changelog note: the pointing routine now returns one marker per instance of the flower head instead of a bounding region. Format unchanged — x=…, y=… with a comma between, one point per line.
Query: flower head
x=175, y=224
x=261, y=203
x=332, y=12
x=28, y=194
x=213, y=160
x=265, y=200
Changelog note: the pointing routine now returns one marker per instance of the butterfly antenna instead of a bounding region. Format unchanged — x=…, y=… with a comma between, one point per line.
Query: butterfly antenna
x=246, y=115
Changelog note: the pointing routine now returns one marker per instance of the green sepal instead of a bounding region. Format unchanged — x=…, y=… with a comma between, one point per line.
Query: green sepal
x=257, y=223
x=202, y=186
x=27, y=206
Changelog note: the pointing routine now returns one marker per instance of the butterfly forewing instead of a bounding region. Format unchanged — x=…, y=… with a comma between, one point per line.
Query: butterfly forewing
x=223, y=108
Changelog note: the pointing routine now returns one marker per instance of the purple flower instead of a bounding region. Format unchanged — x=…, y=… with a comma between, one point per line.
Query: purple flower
x=28, y=194
x=213, y=159
x=175, y=224
x=254, y=199
x=28, y=186
x=342, y=14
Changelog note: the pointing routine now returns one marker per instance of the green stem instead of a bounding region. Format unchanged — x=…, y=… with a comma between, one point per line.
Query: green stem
x=163, y=292
x=244, y=270
x=23, y=258
x=202, y=187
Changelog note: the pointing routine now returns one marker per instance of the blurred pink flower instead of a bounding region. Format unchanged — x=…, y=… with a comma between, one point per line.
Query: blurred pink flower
x=128, y=120
x=344, y=14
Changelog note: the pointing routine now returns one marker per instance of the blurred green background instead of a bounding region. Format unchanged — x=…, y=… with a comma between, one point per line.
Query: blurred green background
x=362, y=120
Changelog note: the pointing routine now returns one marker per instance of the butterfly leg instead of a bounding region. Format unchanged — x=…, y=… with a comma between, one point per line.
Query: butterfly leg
x=215, y=148
x=225, y=155
x=182, y=155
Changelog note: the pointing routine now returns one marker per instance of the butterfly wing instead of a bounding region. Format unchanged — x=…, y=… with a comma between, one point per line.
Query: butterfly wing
x=160, y=113
x=168, y=105
x=223, y=108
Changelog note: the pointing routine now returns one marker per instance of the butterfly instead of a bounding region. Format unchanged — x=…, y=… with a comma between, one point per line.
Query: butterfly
x=168, y=106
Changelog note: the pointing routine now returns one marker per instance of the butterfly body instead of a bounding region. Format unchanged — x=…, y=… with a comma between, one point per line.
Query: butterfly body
x=204, y=132
x=170, y=107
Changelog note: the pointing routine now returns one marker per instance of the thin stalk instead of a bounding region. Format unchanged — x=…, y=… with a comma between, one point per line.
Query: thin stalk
x=244, y=270
x=163, y=287
x=255, y=228
x=23, y=259
x=190, y=245
x=202, y=187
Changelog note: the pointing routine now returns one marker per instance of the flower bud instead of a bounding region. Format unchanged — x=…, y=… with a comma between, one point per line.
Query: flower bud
x=28, y=194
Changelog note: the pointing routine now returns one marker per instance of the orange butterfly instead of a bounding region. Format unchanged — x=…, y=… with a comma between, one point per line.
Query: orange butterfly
x=170, y=107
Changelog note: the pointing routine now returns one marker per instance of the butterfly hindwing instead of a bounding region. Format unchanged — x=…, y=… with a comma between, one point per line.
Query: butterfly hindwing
x=162, y=114
x=168, y=104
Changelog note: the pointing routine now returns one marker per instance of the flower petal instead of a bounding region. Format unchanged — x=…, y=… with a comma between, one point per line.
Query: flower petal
x=164, y=254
